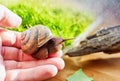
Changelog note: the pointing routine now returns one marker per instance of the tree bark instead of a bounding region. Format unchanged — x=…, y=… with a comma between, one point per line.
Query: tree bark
x=105, y=40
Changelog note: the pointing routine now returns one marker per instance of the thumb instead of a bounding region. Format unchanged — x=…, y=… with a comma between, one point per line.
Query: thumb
x=8, y=18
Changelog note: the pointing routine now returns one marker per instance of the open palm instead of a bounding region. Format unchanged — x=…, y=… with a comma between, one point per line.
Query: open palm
x=16, y=65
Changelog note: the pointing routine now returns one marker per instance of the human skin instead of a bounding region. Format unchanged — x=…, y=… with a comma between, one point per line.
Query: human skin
x=16, y=65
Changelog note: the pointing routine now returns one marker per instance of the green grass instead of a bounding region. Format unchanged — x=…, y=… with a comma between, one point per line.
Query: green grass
x=62, y=21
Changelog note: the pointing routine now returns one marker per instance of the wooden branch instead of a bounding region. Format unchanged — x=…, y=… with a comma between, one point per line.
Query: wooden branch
x=106, y=40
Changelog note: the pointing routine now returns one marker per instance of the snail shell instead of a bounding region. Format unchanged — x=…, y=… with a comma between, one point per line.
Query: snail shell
x=39, y=42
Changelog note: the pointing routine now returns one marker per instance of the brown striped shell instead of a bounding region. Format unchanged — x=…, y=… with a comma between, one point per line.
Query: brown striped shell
x=39, y=42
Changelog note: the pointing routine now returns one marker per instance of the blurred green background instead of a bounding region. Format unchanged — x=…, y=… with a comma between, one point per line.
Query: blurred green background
x=63, y=21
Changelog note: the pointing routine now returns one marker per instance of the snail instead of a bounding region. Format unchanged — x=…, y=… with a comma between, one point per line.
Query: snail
x=38, y=41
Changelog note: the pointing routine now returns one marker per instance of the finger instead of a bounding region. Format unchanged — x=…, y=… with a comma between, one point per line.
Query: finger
x=2, y=68
x=12, y=53
x=58, y=62
x=57, y=54
x=33, y=74
x=8, y=18
x=10, y=38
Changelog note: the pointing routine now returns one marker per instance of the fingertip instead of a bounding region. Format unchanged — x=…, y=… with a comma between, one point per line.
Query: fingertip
x=11, y=20
x=60, y=63
x=57, y=54
x=8, y=18
x=45, y=72
x=50, y=71
x=15, y=22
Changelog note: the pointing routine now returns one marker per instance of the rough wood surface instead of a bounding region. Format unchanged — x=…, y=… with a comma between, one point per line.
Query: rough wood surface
x=106, y=40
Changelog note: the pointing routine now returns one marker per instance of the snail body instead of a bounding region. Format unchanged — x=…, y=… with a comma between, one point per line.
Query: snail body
x=38, y=41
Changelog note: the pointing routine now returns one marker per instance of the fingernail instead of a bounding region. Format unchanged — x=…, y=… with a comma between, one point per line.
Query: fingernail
x=13, y=20
x=8, y=18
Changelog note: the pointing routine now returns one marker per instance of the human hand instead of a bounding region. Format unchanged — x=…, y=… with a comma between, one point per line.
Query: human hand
x=16, y=65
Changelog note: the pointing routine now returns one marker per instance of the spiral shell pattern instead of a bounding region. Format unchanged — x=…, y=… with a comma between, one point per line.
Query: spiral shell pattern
x=34, y=38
